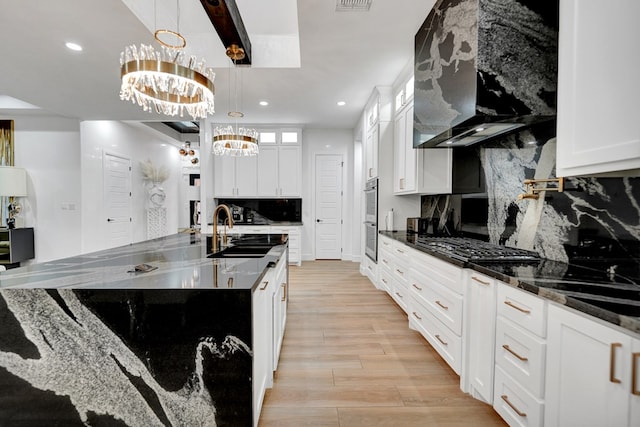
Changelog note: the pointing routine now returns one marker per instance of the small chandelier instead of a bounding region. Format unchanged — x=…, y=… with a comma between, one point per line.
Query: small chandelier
x=186, y=150
x=166, y=81
x=233, y=140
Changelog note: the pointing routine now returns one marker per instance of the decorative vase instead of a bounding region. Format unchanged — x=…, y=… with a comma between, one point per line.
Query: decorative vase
x=156, y=195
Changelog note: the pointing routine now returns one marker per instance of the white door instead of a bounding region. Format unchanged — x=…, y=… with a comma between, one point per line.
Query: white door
x=328, y=206
x=117, y=199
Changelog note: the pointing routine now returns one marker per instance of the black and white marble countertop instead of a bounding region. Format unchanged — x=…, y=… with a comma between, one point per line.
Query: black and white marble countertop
x=613, y=298
x=181, y=261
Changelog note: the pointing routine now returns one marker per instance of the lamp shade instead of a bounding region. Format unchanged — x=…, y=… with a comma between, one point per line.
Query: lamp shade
x=13, y=181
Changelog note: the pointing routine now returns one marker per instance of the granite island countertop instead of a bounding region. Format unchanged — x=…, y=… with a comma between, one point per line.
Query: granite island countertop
x=180, y=259
x=614, y=298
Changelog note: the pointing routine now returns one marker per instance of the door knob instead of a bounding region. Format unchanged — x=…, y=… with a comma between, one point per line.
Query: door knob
x=110, y=219
x=318, y=220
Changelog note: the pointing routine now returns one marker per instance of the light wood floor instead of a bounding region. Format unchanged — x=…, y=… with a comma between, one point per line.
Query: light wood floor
x=349, y=359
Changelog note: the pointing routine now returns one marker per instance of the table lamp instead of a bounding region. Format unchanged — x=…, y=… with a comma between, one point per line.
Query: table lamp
x=13, y=183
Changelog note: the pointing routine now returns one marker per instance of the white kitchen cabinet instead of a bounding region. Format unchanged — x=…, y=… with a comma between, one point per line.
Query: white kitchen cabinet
x=407, y=161
x=598, y=111
x=589, y=372
x=479, y=335
x=279, y=303
x=262, y=341
x=280, y=171
x=235, y=176
x=377, y=111
x=436, y=305
x=293, y=231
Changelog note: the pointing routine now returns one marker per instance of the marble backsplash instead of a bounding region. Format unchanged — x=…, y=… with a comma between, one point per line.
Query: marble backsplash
x=593, y=219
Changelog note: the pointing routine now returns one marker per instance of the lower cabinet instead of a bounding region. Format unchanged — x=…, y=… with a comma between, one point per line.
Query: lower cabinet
x=294, y=232
x=269, y=314
x=593, y=372
x=262, y=342
x=479, y=335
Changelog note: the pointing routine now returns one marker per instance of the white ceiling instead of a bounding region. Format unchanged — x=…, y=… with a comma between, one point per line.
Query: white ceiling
x=335, y=55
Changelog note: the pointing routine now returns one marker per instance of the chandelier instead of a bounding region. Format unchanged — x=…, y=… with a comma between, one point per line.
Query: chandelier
x=165, y=80
x=233, y=140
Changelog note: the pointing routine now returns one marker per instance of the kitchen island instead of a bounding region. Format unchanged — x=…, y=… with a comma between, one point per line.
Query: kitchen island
x=90, y=340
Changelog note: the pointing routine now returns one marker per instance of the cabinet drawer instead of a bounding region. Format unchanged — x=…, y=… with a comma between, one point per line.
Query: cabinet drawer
x=385, y=259
x=522, y=355
x=385, y=280
x=401, y=272
x=443, y=303
x=514, y=404
x=401, y=252
x=385, y=243
x=440, y=272
x=522, y=308
x=400, y=295
x=441, y=338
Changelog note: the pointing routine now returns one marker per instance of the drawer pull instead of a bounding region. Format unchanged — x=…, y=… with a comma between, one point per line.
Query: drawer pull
x=440, y=339
x=506, y=399
x=385, y=261
x=442, y=305
x=420, y=318
x=634, y=373
x=284, y=292
x=612, y=363
x=506, y=347
x=399, y=295
x=265, y=286
x=400, y=271
x=400, y=250
x=384, y=281
x=524, y=310
x=416, y=286
x=482, y=282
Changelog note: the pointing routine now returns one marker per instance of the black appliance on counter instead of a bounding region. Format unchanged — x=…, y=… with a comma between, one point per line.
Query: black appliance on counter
x=263, y=211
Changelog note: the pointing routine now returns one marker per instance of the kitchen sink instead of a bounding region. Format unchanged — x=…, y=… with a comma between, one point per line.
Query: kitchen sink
x=242, y=251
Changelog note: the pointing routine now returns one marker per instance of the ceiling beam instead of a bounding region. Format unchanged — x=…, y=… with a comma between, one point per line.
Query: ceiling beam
x=226, y=20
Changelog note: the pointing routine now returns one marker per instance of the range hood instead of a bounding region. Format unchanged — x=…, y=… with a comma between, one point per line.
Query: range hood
x=484, y=69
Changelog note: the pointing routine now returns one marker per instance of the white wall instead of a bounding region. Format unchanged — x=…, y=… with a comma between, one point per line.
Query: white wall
x=328, y=141
x=139, y=144
x=48, y=148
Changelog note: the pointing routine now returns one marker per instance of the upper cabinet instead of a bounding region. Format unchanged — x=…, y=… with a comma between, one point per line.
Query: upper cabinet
x=235, y=176
x=377, y=112
x=598, y=90
x=275, y=172
x=280, y=163
x=415, y=171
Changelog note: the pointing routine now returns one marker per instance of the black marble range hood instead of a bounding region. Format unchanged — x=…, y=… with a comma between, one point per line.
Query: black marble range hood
x=484, y=68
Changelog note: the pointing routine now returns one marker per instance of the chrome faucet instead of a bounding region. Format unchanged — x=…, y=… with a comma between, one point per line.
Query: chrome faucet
x=229, y=219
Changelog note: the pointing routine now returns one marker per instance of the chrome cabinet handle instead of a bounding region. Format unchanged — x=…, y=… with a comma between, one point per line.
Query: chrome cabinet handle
x=416, y=286
x=416, y=315
x=399, y=295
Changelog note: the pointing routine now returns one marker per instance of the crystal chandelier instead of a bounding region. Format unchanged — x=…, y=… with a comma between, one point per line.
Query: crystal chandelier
x=166, y=81
x=233, y=140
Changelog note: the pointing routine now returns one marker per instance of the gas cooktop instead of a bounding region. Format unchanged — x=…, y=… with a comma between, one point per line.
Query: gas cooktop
x=467, y=249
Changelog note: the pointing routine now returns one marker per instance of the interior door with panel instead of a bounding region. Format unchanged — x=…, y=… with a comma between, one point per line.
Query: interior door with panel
x=117, y=199
x=328, y=227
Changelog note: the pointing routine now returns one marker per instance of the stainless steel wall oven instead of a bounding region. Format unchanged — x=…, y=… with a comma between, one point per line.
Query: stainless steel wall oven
x=371, y=219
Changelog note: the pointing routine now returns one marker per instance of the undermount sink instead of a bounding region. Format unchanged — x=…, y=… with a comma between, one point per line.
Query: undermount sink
x=242, y=251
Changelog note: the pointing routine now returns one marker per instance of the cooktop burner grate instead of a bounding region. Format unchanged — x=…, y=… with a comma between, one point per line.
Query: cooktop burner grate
x=467, y=249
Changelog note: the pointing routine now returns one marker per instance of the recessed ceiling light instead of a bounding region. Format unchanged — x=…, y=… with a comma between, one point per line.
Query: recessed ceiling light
x=264, y=103
x=341, y=103
x=73, y=46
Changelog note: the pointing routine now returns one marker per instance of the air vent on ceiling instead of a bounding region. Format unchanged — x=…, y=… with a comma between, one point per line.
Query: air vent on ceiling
x=353, y=5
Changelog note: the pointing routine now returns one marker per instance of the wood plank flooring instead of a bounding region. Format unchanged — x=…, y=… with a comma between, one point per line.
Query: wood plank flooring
x=349, y=359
